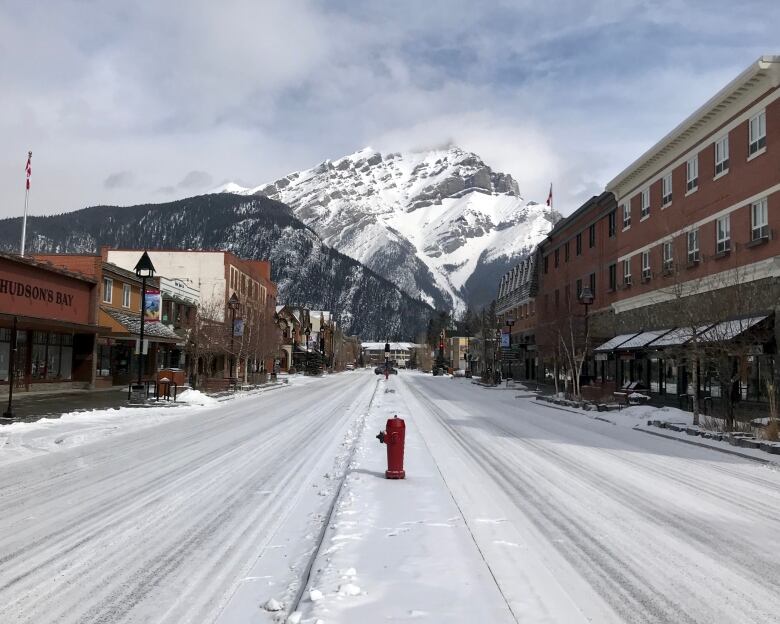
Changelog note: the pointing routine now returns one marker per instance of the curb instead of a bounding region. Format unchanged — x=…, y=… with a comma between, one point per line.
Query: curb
x=760, y=460
x=571, y=411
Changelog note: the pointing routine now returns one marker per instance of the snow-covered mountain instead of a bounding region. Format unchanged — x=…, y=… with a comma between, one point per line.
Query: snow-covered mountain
x=440, y=224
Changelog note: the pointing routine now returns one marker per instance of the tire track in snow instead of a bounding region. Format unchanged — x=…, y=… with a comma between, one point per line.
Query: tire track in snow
x=135, y=523
x=613, y=569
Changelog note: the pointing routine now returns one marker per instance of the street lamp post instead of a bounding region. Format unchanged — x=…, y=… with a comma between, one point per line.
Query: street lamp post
x=306, y=365
x=9, y=413
x=586, y=299
x=145, y=270
x=233, y=304
x=510, y=323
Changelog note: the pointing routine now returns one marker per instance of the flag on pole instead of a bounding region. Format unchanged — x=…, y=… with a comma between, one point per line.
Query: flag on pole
x=28, y=168
x=549, y=197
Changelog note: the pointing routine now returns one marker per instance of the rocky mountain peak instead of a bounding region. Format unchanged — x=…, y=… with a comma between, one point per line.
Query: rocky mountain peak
x=424, y=220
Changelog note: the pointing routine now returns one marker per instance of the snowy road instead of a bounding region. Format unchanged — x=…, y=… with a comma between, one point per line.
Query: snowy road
x=158, y=524
x=586, y=521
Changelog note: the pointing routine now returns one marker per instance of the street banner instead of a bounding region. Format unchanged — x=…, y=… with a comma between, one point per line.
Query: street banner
x=238, y=327
x=152, y=305
x=504, y=340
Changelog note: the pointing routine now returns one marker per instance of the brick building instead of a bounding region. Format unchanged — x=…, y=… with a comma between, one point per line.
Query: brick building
x=56, y=325
x=216, y=276
x=117, y=311
x=685, y=263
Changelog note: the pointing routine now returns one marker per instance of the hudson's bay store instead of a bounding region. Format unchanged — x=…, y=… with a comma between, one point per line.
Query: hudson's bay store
x=54, y=313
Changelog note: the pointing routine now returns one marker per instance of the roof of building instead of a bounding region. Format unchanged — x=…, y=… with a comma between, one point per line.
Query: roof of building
x=761, y=75
x=47, y=266
x=132, y=323
x=518, y=284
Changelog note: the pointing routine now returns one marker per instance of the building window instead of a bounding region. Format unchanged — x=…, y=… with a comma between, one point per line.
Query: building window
x=593, y=284
x=646, y=265
x=108, y=286
x=627, y=215
x=722, y=155
x=125, y=295
x=612, y=224
x=579, y=288
x=723, y=234
x=627, y=271
x=693, y=246
x=645, y=203
x=579, y=244
x=668, y=256
x=546, y=263
x=759, y=220
x=666, y=190
x=566, y=253
x=692, y=167
x=612, y=277
x=592, y=235
x=557, y=257
x=757, y=133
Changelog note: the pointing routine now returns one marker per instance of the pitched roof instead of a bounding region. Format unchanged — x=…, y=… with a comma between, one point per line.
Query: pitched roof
x=132, y=323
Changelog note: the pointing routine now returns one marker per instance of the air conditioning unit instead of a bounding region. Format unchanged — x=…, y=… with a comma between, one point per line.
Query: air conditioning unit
x=646, y=275
x=627, y=281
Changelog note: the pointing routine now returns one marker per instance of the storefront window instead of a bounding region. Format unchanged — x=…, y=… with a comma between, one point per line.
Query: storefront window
x=655, y=380
x=38, y=368
x=53, y=353
x=66, y=357
x=5, y=353
x=103, y=361
x=670, y=372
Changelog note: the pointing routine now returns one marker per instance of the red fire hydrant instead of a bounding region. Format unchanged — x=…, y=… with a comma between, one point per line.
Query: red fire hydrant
x=393, y=436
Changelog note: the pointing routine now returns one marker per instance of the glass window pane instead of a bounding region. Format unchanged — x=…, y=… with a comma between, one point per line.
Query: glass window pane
x=66, y=363
x=5, y=358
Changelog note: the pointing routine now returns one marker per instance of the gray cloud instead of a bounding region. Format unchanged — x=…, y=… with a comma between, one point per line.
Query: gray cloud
x=118, y=180
x=563, y=91
x=195, y=180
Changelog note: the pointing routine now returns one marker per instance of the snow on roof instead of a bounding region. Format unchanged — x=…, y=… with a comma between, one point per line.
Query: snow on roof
x=728, y=330
x=611, y=344
x=643, y=339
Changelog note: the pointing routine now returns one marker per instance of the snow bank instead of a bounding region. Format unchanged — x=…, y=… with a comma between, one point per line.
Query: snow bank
x=195, y=397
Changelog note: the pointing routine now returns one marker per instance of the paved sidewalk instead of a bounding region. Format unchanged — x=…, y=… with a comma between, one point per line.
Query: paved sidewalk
x=30, y=406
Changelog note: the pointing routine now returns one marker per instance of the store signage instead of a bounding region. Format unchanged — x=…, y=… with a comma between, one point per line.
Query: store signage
x=600, y=357
x=35, y=293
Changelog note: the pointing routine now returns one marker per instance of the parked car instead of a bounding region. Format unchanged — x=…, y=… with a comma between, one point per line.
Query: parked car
x=349, y=367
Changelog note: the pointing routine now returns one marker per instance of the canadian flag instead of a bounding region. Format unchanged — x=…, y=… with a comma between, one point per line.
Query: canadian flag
x=28, y=168
x=549, y=197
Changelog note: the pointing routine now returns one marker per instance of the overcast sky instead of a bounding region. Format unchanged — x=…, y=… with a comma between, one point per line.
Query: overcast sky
x=152, y=101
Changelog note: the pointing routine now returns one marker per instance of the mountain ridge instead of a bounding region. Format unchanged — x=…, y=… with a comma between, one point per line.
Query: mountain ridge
x=307, y=272
x=429, y=221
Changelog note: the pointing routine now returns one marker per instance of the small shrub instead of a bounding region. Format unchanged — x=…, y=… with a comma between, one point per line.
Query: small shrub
x=772, y=431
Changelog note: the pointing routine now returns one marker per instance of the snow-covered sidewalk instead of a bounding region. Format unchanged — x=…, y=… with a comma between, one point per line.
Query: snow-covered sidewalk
x=399, y=550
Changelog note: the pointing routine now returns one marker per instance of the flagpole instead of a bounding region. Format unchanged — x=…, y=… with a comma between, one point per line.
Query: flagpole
x=24, y=219
x=28, y=171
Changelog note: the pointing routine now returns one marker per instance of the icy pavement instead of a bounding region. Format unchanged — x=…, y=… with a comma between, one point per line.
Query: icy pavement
x=515, y=512
x=157, y=515
x=511, y=511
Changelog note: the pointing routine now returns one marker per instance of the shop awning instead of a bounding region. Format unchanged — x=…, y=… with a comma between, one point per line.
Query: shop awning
x=31, y=322
x=728, y=330
x=643, y=339
x=678, y=336
x=613, y=343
